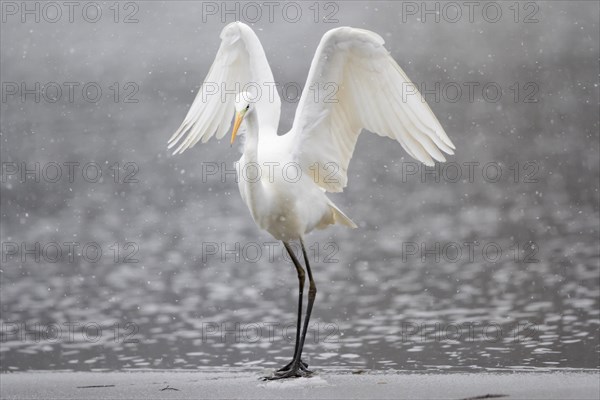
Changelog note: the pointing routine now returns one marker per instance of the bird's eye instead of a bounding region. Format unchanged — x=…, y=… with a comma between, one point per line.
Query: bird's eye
x=247, y=107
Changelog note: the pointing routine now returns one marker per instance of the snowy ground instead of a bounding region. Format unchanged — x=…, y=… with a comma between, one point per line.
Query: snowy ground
x=325, y=385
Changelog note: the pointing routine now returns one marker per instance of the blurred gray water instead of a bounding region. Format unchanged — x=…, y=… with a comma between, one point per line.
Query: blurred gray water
x=388, y=297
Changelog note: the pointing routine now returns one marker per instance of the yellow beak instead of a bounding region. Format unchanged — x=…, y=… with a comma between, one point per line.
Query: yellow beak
x=239, y=117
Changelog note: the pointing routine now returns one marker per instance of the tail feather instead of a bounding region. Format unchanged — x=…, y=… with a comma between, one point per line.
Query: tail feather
x=340, y=218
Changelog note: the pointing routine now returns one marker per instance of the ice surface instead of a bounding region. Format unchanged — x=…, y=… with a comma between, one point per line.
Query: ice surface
x=327, y=385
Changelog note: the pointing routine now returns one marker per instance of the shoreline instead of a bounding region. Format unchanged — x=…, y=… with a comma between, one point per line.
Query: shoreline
x=325, y=384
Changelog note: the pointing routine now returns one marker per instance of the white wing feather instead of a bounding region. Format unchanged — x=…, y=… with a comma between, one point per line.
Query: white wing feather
x=372, y=93
x=240, y=63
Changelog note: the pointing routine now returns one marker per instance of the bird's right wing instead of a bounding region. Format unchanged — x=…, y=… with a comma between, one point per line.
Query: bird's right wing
x=240, y=65
x=370, y=91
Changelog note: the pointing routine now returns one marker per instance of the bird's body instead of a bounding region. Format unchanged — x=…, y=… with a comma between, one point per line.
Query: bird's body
x=353, y=84
x=276, y=207
x=282, y=199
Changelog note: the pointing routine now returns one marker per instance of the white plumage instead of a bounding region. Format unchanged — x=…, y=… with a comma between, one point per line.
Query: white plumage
x=353, y=84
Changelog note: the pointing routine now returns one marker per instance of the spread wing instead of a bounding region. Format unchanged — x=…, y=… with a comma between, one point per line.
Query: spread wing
x=353, y=84
x=240, y=64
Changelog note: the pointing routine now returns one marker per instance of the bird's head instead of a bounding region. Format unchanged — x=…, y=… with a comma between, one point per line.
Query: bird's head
x=244, y=105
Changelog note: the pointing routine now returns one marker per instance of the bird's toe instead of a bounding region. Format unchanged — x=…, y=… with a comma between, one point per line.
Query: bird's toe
x=296, y=370
x=303, y=366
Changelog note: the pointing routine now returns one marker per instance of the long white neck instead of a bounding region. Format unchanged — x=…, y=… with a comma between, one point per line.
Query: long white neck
x=253, y=186
x=251, y=142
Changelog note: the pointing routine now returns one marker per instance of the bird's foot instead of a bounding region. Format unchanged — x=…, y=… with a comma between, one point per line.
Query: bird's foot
x=303, y=366
x=296, y=370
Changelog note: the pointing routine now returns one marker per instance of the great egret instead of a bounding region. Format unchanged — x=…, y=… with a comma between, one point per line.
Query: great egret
x=370, y=91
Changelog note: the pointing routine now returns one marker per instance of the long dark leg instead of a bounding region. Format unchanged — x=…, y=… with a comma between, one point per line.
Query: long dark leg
x=301, y=279
x=312, y=294
x=296, y=368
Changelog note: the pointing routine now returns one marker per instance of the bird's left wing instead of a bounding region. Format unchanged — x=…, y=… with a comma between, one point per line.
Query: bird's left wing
x=240, y=64
x=354, y=83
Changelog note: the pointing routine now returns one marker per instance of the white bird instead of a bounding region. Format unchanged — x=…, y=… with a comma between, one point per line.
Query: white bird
x=353, y=84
